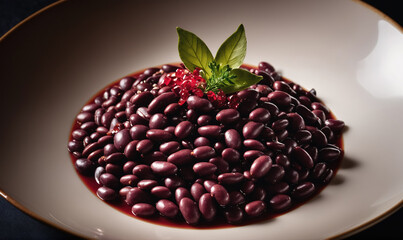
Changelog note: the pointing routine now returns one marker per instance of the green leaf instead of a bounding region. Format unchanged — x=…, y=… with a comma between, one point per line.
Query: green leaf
x=233, y=50
x=243, y=79
x=193, y=51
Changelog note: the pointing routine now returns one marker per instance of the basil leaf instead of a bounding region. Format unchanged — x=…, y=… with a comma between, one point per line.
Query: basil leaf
x=193, y=51
x=233, y=50
x=243, y=79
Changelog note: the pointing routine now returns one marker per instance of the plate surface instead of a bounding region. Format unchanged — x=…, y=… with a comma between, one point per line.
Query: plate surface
x=52, y=64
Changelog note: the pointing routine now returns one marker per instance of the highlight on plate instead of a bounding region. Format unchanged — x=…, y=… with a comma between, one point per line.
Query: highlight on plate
x=209, y=142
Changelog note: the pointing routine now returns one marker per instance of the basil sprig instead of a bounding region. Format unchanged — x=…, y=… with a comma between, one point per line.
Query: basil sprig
x=221, y=72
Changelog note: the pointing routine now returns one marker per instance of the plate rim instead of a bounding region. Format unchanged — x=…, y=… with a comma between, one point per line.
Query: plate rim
x=345, y=234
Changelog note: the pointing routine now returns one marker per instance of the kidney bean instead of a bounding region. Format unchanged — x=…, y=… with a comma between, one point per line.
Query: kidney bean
x=319, y=170
x=207, y=207
x=167, y=208
x=158, y=121
x=130, y=150
x=278, y=188
x=252, y=129
x=230, y=155
x=201, y=141
x=126, y=83
x=260, y=166
x=230, y=178
x=246, y=106
x=129, y=180
x=264, y=66
x=220, y=194
x=163, y=168
x=144, y=146
x=159, y=135
x=327, y=176
x=254, y=144
x=161, y=192
x=84, y=166
x=291, y=176
x=95, y=155
x=169, y=147
x=303, y=190
x=79, y=135
x=121, y=139
x=114, y=169
x=97, y=174
x=181, y=157
x=172, y=109
x=115, y=158
x=77, y=146
x=234, y=215
x=296, y=122
x=204, y=168
x=282, y=160
x=109, y=180
x=228, y=116
x=209, y=131
x=306, y=114
x=319, y=138
x=320, y=106
x=255, y=208
x=275, y=174
x=136, y=119
x=249, y=94
x=143, y=209
x=329, y=154
x=282, y=135
x=104, y=140
x=261, y=115
x=280, y=202
x=136, y=195
x=89, y=126
x=283, y=86
x=335, y=125
x=85, y=117
x=183, y=129
x=159, y=103
x=199, y=104
x=222, y=165
x=233, y=139
x=128, y=167
x=303, y=136
x=197, y=190
x=180, y=193
x=143, y=171
x=236, y=198
x=204, y=153
x=174, y=182
x=90, y=108
x=279, y=98
x=123, y=191
x=280, y=124
x=208, y=184
x=106, y=194
x=189, y=210
x=219, y=147
x=302, y=157
x=204, y=120
x=88, y=149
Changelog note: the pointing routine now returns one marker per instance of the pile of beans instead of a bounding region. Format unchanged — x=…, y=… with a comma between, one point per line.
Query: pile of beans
x=196, y=163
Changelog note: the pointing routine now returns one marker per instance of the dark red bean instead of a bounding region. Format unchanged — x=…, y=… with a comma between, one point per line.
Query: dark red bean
x=249, y=94
x=236, y=198
x=204, y=120
x=255, y=208
x=303, y=136
x=319, y=138
x=248, y=187
x=169, y=147
x=280, y=124
x=106, y=194
x=252, y=129
x=158, y=120
x=278, y=188
x=147, y=184
x=201, y=141
x=89, y=126
x=320, y=106
x=159, y=103
x=161, y=192
x=303, y=190
x=302, y=157
x=121, y=139
x=283, y=86
x=136, y=119
x=136, y=195
x=201, y=105
x=97, y=174
x=329, y=154
x=126, y=83
x=219, y=147
x=221, y=164
x=306, y=114
x=183, y=129
x=246, y=106
x=84, y=166
x=79, y=134
x=327, y=176
x=279, y=98
x=114, y=169
x=335, y=125
x=123, y=191
x=228, y=116
x=130, y=150
x=233, y=139
x=282, y=160
x=254, y=144
x=95, y=155
x=251, y=155
x=90, y=148
x=197, y=190
x=109, y=180
x=264, y=66
x=208, y=184
x=172, y=109
x=104, y=140
x=85, y=117
x=204, y=153
x=189, y=210
x=204, y=168
x=291, y=176
x=129, y=180
x=90, y=108
x=159, y=135
x=207, y=206
x=275, y=174
x=144, y=146
x=260, y=166
x=163, y=168
x=275, y=146
x=174, y=182
x=230, y=178
x=230, y=155
x=261, y=115
x=220, y=194
x=280, y=202
x=115, y=158
x=181, y=157
x=143, y=209
x=180, y=193
x=209, y=131
x=167, y=208
x=296, y=122
x=234, y=215
x=143, y=171
x=319, y=170
x=77, y=146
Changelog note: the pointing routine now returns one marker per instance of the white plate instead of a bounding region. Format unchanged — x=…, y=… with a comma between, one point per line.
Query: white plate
x=53, y=63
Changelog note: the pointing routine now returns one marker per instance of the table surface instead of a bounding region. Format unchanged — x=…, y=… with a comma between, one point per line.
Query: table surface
x=15, y=224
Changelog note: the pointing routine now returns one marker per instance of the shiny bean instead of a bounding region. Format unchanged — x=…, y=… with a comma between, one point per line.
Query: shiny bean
x=199, y=104
x=335, y=125
x=84, y=166
x=296, y=122
x=197, y=190
x=192, y=115
x=228, y=116
x=329, y=154
x=220, y=194
x=77, y=146
x=246, y=106
x=95, y=155
x=254, y=144
x=159, y=103
x=231, y=155
x=204, y=120
x=169, y=147
x=275, y=174
x=115, y=158
x=104, y=140
x=261, y=115
x=106, y=194
x=222, y=165
x=130, y=150
x=172, y=109
x=114, y=169
x=180, y=193
x=167, y=208
x=247, y=187
x=234, y=215
x=181, y=157
x=232, y=139
x=121, y=139
x=143, y=171
x=208, y=184
x=144, y=146
x=279, y=98
x=255, y=208
x=90, y=148
x=136, y=119
x=204, y=168
x=236, y=198
x=89, y=126
x=230, y=178
x=275, y=146
x=302, y=157
x=143, y=209
x=136, y=195
x=174, y=182
x=163, y=168
x=209, y=131
x=183, y=129
x=207, y=206
x=291, y=176
x=161, y=192
x=129, y=180
x=303, y=136
x=85, y=117
x=260, y=166
x=280, y=202
x=158, y=121
x=283, y=86
x=109, y=180
x=278, y=188
x=189, y=210
x=320, y=106
x=91, y=108
x=303, y=190
x=201, y=141
x=123, y=191
x=249, y=94
x=126, y=83
x=138, y=132
x=219, y=147
x=319, y=138
x=252, y=129
x=159, y=135
x=280, y=124
x=251, y=155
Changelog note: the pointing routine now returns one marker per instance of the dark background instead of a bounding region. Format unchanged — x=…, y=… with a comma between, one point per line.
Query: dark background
x=15, y=224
